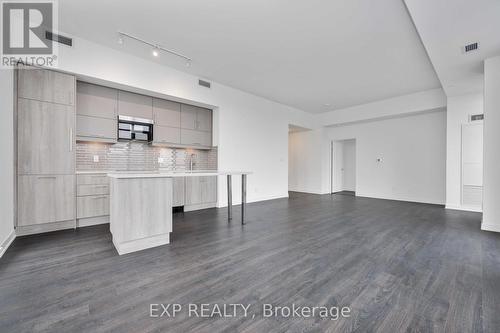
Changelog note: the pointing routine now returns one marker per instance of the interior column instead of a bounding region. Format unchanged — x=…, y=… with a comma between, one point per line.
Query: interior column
x=491, y=176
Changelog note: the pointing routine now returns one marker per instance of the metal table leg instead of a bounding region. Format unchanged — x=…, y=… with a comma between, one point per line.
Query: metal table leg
x=229, y=199
x=243, y=197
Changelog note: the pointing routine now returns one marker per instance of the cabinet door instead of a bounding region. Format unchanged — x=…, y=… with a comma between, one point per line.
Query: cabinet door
x=196, y=138
x=135, y=105
x=204, y=120
x=166, y=134
x=193, y=191
x=92, y=206
x=178, y=188
x=45, y=199
x=166, y=113
x=208, y=188
x=188, y=116
x=93, y=127
x=46, y=85
x=45, y=138
x=96, y=101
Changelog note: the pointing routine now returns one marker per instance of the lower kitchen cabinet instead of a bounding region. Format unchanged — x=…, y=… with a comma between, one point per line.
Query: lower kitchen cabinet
x=92, y=206
x=201, y=192
x=178, y=192
x=45, y=199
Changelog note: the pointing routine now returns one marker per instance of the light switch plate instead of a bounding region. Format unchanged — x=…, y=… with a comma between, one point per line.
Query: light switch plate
x=96, y=158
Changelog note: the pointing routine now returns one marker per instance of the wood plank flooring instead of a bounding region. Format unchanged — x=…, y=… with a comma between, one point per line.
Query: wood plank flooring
x=400, y=267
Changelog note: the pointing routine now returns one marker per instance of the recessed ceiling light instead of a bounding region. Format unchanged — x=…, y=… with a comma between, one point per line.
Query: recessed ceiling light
x=327, y=105
x=156, y=52
x=120, y=40
x=188, y=63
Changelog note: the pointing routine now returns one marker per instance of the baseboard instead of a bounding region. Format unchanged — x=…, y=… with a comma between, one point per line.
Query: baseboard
x=259, y=199
x=46, y=227
x=465, y=209
x=308, y=192
x=7, y=242
x=489, y=227
x=141, y=244
x=190, y=208
x=413, y=200
x=89, y=221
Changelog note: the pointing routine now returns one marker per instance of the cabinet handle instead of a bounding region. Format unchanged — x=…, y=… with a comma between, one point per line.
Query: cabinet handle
x=70, y=139
x=96, y=198
x=46, y=177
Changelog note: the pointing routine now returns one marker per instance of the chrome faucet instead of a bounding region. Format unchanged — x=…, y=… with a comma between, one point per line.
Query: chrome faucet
x=191, y=162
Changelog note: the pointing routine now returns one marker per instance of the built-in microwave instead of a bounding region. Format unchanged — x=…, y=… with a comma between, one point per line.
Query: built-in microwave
x=137, y=129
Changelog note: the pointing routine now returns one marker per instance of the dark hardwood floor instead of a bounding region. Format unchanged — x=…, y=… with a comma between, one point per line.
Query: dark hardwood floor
x=399, y=267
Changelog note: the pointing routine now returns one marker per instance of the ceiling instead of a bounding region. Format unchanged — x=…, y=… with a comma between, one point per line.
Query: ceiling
x=446, y=26
x=314, y=55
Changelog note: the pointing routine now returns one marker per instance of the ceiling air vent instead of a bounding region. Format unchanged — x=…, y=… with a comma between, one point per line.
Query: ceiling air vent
x=476, y=117
x=203, y=83
x=58, y=38
x=471, y=47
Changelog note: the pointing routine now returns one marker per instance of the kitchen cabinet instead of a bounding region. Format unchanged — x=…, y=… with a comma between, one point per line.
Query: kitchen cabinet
x=179, y=184
x=196, y=118
x=96, y=129
x=163, y=134
x=96, y=101
x=45, y=151
x=166, y=113
x=201, y=190
x=196, y=138
x=135, y=105
x=45, y=138
x=45, y=199
x=46, y=86
x=92, y=206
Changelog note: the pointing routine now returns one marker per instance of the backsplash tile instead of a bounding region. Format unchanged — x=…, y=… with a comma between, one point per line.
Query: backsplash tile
x=136, y=156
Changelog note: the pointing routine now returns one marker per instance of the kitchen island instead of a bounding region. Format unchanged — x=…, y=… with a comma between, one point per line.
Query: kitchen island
x=141, y=206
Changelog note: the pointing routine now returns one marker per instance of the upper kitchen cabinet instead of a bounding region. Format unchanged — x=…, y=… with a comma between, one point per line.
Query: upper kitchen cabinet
x=166, y=113
x=196, y=118
x=46, y=86
x=135, y=105
x=96, y=101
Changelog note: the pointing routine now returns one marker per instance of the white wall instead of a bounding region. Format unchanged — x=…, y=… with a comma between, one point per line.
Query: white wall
x=7, y=155
x=349, y=165
x=491, y=178
x=458, y=110
x=252, y=131
x=304, y=156
x=412, y=149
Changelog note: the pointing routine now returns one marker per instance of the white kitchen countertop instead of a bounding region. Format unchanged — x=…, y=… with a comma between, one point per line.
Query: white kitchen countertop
x=93, y=172
x=174, y=174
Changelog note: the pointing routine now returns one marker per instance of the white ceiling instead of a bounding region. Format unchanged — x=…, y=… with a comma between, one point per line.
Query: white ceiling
x=315, y=55
x=446, y=26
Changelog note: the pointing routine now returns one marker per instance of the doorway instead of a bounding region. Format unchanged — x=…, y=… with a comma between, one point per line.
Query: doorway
x=343, y=171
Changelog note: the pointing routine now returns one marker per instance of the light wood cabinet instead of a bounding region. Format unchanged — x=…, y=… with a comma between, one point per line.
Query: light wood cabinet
x=178, y=192
x=92, y=179
x=100, y=129
x=92, y=206
x=135, y=105
x=46, y=86
x=196, y=118
x=45, y=138
x=204, y=119
x=45, y=199
x=96, y=101
x=99, y=189
x=196, y=138
x=163, y=134
x=166, y=113
x=201, y=190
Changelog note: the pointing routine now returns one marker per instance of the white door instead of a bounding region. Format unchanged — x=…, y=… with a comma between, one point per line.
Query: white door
x=472, y=165
x=349, y=166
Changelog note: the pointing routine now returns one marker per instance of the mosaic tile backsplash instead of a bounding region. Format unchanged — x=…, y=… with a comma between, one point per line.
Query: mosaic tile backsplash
x=136, y=156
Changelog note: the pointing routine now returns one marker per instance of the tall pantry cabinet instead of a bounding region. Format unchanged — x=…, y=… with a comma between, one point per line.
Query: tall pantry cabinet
x=45, y=150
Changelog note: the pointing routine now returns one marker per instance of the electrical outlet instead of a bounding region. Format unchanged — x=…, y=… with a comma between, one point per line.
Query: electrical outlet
x=96, y=158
